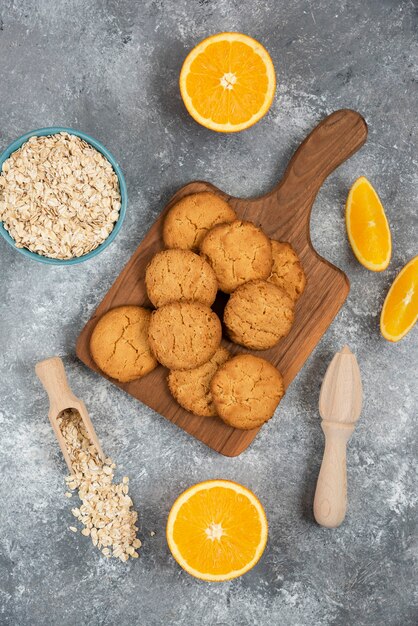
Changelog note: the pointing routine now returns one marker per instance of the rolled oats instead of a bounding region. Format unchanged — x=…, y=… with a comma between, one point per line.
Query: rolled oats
x=59, y=196
x=105, y=512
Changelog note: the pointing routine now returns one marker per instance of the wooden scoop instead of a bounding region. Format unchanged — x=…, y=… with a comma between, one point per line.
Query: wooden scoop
x=340, y=403
x=51, y=373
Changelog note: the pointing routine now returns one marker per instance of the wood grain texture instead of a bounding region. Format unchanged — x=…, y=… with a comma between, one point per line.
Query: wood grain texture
x=330, y=501
x=284, y=214
x=340, y=404
x=52, y=375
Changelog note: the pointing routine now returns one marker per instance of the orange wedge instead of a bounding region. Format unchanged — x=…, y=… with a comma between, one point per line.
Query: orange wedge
x=217, y=530
x=227, y=82
x=400, y=308
x=367, y=226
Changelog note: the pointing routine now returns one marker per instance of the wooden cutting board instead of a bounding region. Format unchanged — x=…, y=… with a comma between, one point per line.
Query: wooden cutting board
x=284, y=214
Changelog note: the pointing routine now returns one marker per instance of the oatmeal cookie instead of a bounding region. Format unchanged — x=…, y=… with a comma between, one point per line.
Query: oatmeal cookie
x=180, y=275
x=191, y=388
x=246, y=391
x=190, y=218
x=184, y=335
x=258, y=314
x=238, y=252
x=119, y=343
x=287, y=271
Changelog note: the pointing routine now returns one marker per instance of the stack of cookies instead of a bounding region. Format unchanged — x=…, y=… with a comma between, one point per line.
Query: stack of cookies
x=208, y=249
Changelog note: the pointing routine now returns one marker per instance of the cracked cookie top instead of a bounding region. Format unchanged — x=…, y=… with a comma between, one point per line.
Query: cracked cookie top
x=119, y=343
x=238, y=252
x=180, y=275
x=188, y=221
x=191, y=388
x=183, y=335
x=258, y=314
x=287, y=271
x=246, y=391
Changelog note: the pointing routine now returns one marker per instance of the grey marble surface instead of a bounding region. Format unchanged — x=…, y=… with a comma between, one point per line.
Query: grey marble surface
x=111, y=68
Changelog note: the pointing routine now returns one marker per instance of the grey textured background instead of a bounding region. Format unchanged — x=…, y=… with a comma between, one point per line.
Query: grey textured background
x=111, y=68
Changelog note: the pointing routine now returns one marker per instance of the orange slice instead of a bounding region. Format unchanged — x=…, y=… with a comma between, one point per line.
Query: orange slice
x=227, y=82
x=217, y=530
x=400, y=308
x=367, y=226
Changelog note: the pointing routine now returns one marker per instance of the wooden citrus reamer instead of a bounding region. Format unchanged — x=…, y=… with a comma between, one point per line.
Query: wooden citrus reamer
x=340, y=404
x=51, y=373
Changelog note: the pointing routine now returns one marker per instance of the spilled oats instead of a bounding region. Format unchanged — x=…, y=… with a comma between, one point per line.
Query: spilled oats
x=106, y=508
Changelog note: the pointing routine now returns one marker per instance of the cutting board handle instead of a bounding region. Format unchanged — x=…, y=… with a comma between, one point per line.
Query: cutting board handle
x=330, y=143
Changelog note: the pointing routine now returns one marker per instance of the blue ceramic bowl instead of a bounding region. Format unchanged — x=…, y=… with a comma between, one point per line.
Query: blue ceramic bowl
x=122, y=187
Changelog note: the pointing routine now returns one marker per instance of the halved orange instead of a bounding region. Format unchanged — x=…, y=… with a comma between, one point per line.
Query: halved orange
x=227, y=82
x=217, y=530
x=367, y=226
x=400, y=308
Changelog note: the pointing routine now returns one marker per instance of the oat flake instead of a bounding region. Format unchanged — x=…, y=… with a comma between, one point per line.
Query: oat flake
x=59, y=196
x=106, y=508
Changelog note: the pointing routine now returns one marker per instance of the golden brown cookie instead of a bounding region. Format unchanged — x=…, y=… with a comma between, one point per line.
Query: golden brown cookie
x=190, y=218
x=258, y=314
x=191, y=388
x=287, y=272
x=180, y=275
x=184, y=335
x=246, y=391
x=238, y=252
x=119, y=343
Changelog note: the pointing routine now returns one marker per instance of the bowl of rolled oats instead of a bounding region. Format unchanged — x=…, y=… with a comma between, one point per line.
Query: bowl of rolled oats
x=63, y=196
